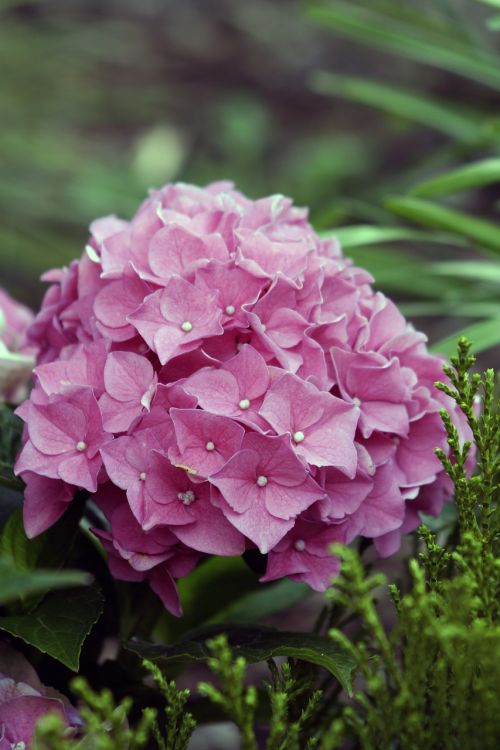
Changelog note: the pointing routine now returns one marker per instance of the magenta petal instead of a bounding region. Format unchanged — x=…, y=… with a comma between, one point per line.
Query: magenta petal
x=237, y=480
x=211, y=532
x=56, y=428
x=163, y=584
x=45, y=500
x=19, y=717
x=264, y=533
x=127, y=376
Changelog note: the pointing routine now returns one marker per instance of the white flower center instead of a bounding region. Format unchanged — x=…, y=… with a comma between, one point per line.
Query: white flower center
x=230, y=310
x=244, y=404
x=264, y=327
x=187, y=326
x=356, y=401
x=81, y=446
x=210, y=446
x=18, y=745
x=298, y=436
x=299, y=545
x=261, y=480
x=187, y=497
x=142, y=476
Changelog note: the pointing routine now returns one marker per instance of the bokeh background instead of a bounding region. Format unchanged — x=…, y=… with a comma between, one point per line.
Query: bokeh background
x=345, y=106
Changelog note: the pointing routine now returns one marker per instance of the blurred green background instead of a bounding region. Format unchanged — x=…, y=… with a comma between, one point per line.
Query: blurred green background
x=356, y=109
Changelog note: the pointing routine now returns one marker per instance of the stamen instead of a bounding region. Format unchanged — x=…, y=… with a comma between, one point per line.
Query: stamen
x=210, y=446
x=81, y=446
x=299, y=545
x=356, y=401
x=187, y=497
x=230, y=310
x=187, y=326
x=244, y=404
x=261, y=480
x=298, y=437
x=142, y=476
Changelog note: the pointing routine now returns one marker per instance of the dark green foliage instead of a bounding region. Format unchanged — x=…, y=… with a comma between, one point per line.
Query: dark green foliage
x=255, y=643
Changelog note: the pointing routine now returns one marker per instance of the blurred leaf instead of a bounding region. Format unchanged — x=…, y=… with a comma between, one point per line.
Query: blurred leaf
x=226, y=578
x=410, y=105
x=47, y=550
x=469, y=269
x=10, y=435
x=396, y=270
x=364, y=234
x=18, y=584
x=256, y=644
x=427, y=47
x=473, y=175
x=60, y=624
x=159, y=155
x=484, y=335
x=430, y=214
x=463, y=310
x=267, y=600
x=493, y=23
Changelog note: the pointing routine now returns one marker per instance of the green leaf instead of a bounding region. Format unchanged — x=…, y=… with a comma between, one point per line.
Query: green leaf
x=395, y=271
x=367, y=234
x=26, y=562
x=440, y=217
x=429, y=47
x=267, y=600
x=60, y=624
x=452, y=309
x=10, y=435
x=256, y=644
x=493, y=23
x=483, y=336
x=470, y=176
x=16, y=584
x=227, y=579
x=476, y=270
x=49, y=549
x=409, y=105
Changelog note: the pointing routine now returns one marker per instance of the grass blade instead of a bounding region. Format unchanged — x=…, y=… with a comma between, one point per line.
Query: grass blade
x=484, y=335
x=474, y=175
x=367, y=234
x=409, y=105
x=429, y=48
x=475, y=270
x=433, y=215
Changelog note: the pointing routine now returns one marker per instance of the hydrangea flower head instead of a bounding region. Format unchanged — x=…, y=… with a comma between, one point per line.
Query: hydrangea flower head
x=221, y=379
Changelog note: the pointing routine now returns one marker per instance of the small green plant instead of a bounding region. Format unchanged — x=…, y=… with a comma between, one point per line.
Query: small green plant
x=433, y=681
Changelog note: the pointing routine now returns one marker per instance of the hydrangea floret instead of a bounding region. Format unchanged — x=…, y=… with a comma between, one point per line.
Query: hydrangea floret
x=221, y=379
x=24, y=700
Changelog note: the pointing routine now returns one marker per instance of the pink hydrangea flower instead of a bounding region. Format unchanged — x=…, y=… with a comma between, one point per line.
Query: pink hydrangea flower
x=219, y=378
x=16, y=358
x=24, y=700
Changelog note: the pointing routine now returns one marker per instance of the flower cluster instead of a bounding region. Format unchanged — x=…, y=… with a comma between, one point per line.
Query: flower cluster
x=24, y=700
x=16, y=360
x=221, y=379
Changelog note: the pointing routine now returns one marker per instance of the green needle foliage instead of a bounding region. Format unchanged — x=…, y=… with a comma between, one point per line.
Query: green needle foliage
x=433, y=681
